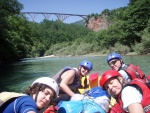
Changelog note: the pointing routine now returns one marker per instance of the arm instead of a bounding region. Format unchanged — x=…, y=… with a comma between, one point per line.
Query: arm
x=131, y=98
x=67, y=78
x=26, y=104
x=135, y=108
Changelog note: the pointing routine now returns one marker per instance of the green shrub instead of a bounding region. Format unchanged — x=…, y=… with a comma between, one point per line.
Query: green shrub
x=119, y=48
x=144, y=46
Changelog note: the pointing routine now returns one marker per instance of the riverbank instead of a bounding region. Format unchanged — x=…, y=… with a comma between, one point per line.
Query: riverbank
x=90, y=54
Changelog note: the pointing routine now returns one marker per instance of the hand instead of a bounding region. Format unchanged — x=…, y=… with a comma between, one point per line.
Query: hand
x=77, y=97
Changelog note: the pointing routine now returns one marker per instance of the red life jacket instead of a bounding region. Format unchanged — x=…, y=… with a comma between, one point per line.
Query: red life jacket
x=51, y=109
x=134, y=71
x=145, y=92
x=144, y=89
x=117, y=109
x=147, y=80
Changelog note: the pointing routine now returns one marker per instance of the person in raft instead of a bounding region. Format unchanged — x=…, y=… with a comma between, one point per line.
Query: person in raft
x=132, y=97
x=128, y=71
x=36, y=97
x=69, y=80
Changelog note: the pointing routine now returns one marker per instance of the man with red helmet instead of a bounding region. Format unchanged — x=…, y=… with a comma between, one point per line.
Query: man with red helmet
x=131, y=96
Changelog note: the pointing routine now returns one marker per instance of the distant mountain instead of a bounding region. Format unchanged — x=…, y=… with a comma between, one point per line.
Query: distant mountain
x=80, y=22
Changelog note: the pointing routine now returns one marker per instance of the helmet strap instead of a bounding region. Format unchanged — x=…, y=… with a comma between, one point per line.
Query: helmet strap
x=121, y=86
x=122, y=83
x=37, y=92
x=79, y=71
x=121, y=62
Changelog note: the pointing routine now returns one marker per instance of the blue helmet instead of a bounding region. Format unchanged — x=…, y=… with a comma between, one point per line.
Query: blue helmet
x=87, y=64
x=113, y=56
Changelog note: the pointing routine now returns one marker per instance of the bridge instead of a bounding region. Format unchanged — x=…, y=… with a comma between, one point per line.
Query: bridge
x=60, y=16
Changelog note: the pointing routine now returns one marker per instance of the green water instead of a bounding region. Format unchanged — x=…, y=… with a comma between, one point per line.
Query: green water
x=18, y=76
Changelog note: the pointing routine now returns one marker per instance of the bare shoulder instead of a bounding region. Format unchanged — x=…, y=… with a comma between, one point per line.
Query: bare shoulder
x=69, y=73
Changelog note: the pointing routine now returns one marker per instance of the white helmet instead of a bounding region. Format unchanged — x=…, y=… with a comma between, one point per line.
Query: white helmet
x=49, y=82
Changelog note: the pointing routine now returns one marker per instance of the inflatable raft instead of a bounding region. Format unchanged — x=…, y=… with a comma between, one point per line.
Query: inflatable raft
x=93, y=81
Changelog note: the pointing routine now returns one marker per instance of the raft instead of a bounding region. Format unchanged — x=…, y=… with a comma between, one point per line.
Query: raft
x=93, y=81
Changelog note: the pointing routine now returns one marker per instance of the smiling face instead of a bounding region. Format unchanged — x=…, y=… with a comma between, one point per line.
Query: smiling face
x=84, y=70
x=113, y=86
x=115, y=64
x=44, y=97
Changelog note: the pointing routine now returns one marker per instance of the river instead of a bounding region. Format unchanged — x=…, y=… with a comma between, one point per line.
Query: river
x=18, y=76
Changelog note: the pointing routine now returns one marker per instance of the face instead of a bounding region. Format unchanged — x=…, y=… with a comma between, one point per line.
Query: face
x=44, y=97
x=115, y=64
x=84, y=70
x=113, y=87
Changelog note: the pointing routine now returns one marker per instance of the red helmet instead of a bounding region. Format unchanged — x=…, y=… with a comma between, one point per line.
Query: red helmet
x=107, y=75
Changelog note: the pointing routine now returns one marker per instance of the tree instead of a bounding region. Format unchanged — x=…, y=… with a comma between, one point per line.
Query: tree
x=11, y=44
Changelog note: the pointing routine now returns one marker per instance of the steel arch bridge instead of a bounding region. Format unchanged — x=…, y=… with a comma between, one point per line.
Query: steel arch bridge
x=60, y=16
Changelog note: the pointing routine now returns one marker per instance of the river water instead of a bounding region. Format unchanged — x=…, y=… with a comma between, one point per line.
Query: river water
x=18, y=76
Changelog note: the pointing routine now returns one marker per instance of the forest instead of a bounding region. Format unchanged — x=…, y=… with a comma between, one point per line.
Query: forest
x=128, y=31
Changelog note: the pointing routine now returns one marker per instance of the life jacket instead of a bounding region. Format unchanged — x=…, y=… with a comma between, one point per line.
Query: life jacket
x=145, y=91
x=76, y=82
x=51, y=109
x=8, y=97
x=134, y=71
x=117, y=109
x=147, y=80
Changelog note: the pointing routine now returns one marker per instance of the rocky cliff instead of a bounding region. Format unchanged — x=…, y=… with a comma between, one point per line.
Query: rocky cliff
x=97, y=23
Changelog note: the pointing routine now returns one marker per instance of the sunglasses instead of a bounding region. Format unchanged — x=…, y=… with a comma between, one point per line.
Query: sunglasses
x=85, y=68
x=112, y=62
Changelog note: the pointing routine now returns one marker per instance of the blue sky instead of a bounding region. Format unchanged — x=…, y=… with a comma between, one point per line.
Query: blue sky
x=82, y=7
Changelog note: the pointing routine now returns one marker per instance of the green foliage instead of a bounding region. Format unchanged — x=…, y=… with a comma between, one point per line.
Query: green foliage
x=9, y=7
x=137, y=16
x=119, y=48
x=73, y=49
x=12, y=45
x=56, y=47
x=80, y=22
x=106, y=12
x=144, y=46
x=129, y=30
x=94, y=15
x=83, y=48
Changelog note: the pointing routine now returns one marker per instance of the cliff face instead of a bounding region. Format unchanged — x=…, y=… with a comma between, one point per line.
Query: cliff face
x=98, y=23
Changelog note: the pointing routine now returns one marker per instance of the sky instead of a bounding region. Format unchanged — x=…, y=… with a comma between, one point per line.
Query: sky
x=81, y=7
